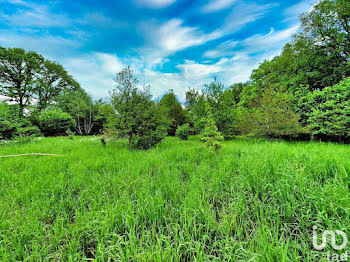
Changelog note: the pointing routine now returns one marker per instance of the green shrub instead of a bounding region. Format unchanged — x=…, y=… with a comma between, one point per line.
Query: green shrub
x=183, y=131
x=32, y=131
x=55, y=122
x=210, y=135
x=9, y=121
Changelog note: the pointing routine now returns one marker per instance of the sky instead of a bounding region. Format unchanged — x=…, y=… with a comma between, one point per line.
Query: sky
x=170, y=44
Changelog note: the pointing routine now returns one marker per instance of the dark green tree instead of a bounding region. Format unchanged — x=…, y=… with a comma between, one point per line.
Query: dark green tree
x=139, y=119
x=223, y=106
x=52, y=82
x=330, y=115
x=176, y=114
x=19, y=72
x=195, y=107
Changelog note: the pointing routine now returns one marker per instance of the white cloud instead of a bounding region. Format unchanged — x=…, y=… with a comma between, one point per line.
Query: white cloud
x=192, y=69
x=173, y=36
x=95, y=72
x=244, y=14
x=170, y=37
x=52, y=47
x=35, y=15
x=155, y=3
x=216, y=5
x=110, y=63
x=274, y=40
x=292, y=13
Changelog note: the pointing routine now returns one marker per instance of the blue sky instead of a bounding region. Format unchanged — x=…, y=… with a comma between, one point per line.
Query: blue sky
x=171, y=44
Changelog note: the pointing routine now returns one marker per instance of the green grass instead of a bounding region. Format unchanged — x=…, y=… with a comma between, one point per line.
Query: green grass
x=255, y=201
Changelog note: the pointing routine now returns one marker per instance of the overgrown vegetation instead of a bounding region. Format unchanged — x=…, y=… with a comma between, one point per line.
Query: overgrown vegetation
x=257, y=200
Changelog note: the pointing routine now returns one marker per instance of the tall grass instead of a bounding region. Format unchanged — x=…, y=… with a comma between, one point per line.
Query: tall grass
x=254, y=201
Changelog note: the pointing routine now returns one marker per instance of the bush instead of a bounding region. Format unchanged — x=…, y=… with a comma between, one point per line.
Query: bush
x=7, y=129
x=55, y=122
x=9, y=121
x=210, y=135
x=28, y=131
x=183, y=131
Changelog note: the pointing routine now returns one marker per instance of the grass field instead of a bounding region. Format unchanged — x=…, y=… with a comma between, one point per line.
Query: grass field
x=255, y=201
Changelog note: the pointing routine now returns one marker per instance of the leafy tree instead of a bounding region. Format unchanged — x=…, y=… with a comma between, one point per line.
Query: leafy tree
x=78, y=104
x=276, y=117
x=18, y=74
x=53, y=81
x=329, y=25
x=223, y=106
x=210, y=135
x=330, y=116
x=8, y=122
x=176, y=113
x=103, y=116
x=138, y=118
x=195, y=106
x=55, y=122
x=27, y=78
x=183, y=131
x=13, y=125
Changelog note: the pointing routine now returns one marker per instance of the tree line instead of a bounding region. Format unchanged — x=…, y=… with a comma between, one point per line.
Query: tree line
x=301, y=94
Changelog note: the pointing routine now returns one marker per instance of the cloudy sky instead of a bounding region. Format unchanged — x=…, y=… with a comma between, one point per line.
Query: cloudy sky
x=171, y=44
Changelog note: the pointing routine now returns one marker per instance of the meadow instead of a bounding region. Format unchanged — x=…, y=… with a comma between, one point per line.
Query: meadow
x=256, y=200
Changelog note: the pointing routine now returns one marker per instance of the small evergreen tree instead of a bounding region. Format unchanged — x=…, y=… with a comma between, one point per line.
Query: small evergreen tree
x=183, y=131
x=138, y=118
x=210, y=135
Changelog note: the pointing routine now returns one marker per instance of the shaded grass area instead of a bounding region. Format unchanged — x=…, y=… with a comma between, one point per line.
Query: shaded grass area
x=255, y=201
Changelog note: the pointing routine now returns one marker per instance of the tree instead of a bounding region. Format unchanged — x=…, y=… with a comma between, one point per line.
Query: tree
x=275, y=118
x=195, y=107
x=329, y=24
x=210, y=135
x=78, y=104
x=9, y=121
x=55, y=122
x=223, y=106
x=27, y=78
x=19, y=72
x=139, y=119
x=176, y=114
x=183, y=131
x=53, y=81
x=330, y=115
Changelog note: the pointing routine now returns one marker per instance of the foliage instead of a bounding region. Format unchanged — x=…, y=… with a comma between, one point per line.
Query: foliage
x=54, y=122
x=53, y=81
x=90, y=117
x=18, y=72
x=29, y=131
x=138, y=118
x=195, y=106
x=13, y=125
x=223, y=106
x=330, y=115
x=26, y=77
x=173, y=108
x=183, y=131
x=210, y=135
x=8, y=122
x=275, y=117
